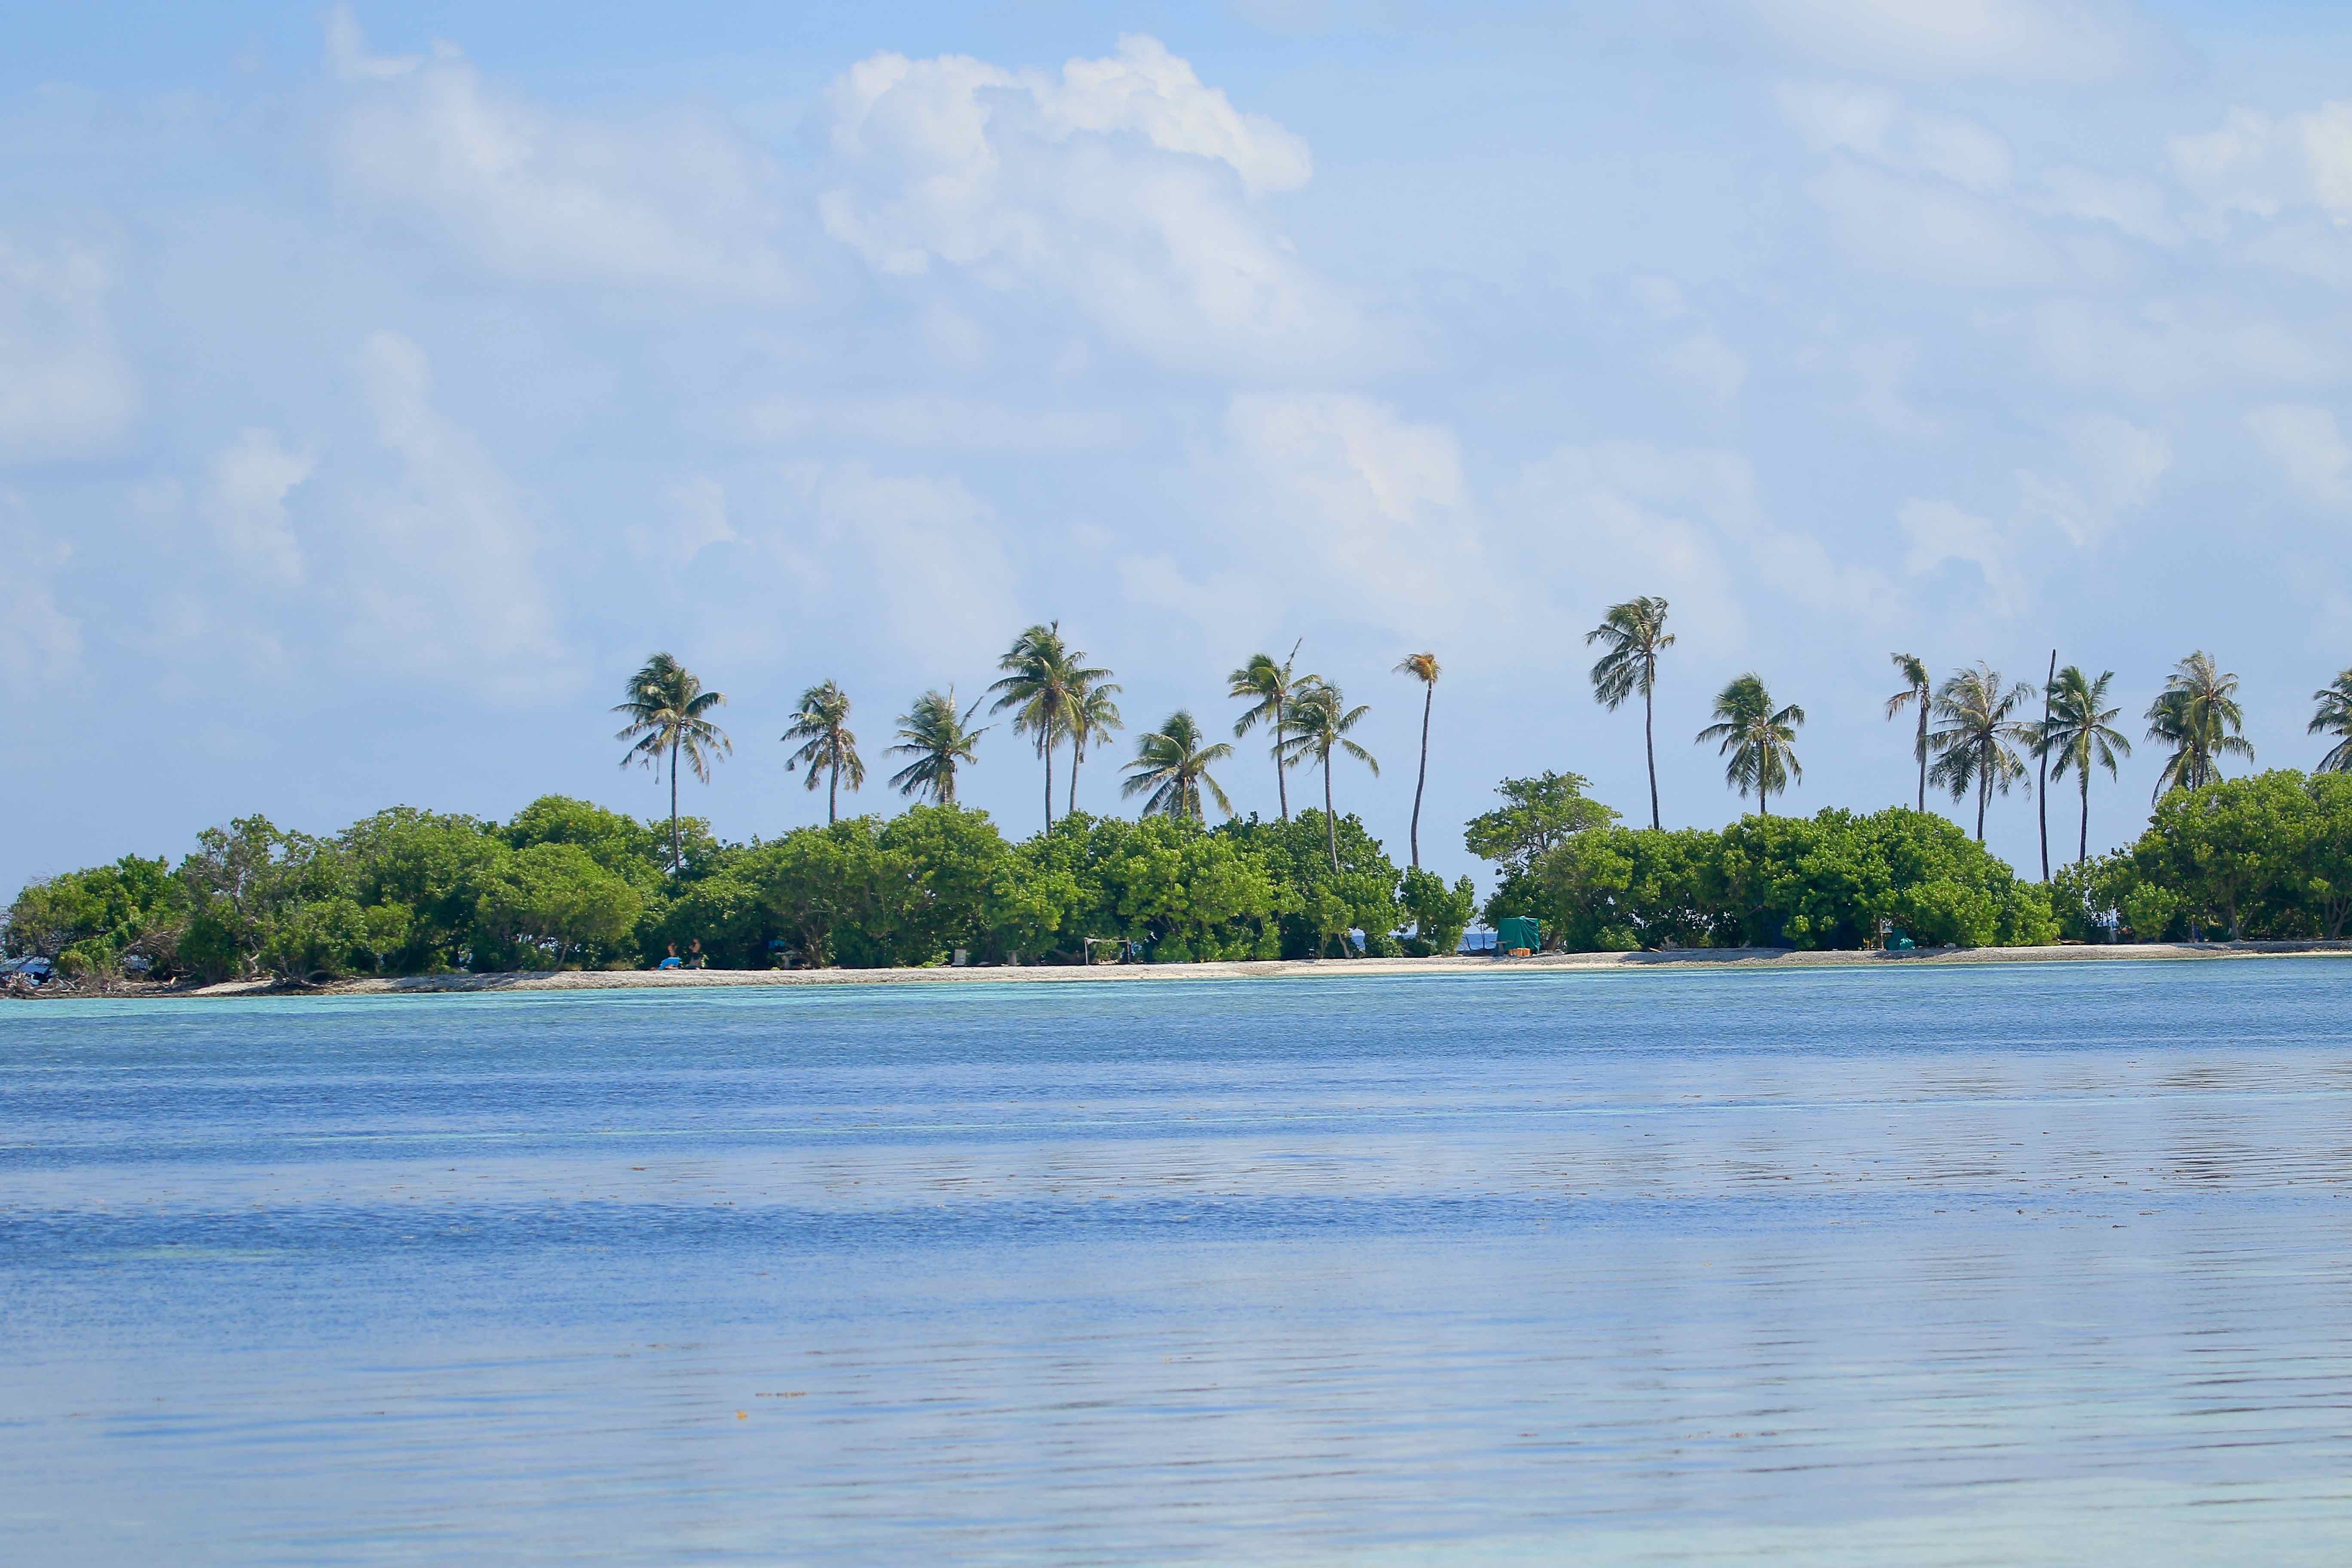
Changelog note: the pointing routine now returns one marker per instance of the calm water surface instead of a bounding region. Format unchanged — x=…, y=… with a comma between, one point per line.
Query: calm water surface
x=1998, y=1264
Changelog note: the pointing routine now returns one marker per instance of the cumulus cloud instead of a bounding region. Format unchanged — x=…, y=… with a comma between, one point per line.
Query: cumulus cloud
x=933, y=553
x=64, y=389
x=945, y=423
x=443, y=576
x=246, y=500
x=1125, y=184
x=2166, y=347
x=675, y=201
x=2308, y=447
x=40, y=643
x=2017, y=41
x=2135, y=207
x=1873, y=123
x=1932, y=231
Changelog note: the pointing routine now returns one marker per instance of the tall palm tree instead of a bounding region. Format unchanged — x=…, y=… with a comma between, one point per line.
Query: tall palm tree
x=1635, y=633
x=2197, y=714
x=1316, y=723
x=1173, y=765
x=1268, y=686
x=1042, y=675
x=1422, y=667
x=1919, y=691
x=1760, y=740
x=666, y=707
x=822, y=726
x=2333, y=717
x=1972, y=748
x=2042, y=786
x=1093, y=717
x=937, y=738
x=2079, y=735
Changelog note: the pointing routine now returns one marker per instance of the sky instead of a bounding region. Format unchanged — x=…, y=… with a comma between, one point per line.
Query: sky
x=381, y=385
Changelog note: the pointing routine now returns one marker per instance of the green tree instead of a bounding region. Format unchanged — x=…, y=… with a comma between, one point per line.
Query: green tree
x=1268, y=688
x=1760, y=740
x=2197, y=714
x=2079, y=733
x=551, y=906
x=2334, y=717
x=2223, y=848
x=1315, y=724
x=1319, y=904
x=1439, y=914
x=1173, y=765
x=1422, y=667
x=1093, y=717
x=939, y=739
x=1042, y=674
x=90, y=921
x=621, y=844
x=1978, y=727
x=430, y=867
x=1635, y=634
x=1537, y=815
x=821, y=727
x=1918, y=692
x=668, y=713
x=2326, y=868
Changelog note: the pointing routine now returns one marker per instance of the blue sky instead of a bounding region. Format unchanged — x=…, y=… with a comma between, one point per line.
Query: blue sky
x=378, y=386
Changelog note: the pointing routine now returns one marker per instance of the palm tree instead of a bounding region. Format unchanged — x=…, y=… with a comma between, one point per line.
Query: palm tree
x=1093, y=716
x=665, y=705
x=1268, y=686
x=2333, y=717
x=1042, y=675
x=1972, y=749
x=1635, y=633
x=827, y=746
x=1761, y=741
x=1918, y=692
x=1315, y=723
x=2197, y=714
x=2042, y=786
x=1422, y=667
x=1173, y=765
x=2077, y=733
x=937, y=738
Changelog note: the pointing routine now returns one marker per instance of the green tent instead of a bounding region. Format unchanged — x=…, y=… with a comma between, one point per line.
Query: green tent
x=1518, y=930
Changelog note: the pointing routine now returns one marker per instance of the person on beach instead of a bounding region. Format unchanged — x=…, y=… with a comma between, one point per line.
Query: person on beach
x=694, y=959
x=672, y=960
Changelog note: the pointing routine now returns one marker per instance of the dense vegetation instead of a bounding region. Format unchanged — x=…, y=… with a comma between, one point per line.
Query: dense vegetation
x=566, y=884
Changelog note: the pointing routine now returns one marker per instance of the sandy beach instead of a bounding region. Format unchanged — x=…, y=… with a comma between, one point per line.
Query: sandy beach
x=1744, y=958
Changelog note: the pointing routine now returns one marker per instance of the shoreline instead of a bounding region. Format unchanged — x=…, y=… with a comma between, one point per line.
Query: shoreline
x=1739, y=958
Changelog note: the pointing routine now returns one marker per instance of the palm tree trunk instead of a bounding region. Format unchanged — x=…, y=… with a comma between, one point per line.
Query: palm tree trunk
x=1427, y=697
x=1650, y=749
x=2083, y=851
x=1077, y=753
x=2041, y=791
x=833, y=788
x=676, y=856
x=1984, y=784
x=1330, y=823
x=1047, y=752
x=1281, y=780
x=1922, y=750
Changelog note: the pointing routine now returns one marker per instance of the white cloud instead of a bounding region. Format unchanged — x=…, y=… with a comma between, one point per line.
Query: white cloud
x=2133, y=207
x=1874, y=123
x=676, y=201
x=1879, y=369
x=251, y=479
x=1124, y=183
x=2166, y=347
x=64, y=389
x=1708, y=365
x=2114, y=467
x=2020, y=40
x=1941, y=533
x=933, y=554
x=2308, y=447
x=443, y=576
x=1932, y=232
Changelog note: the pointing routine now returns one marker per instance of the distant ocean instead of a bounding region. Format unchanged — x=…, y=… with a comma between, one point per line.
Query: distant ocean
x=1998, y=1264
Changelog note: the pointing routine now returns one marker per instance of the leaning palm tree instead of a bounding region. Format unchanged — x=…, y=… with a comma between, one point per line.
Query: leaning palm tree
x=1315, y=724
x=1760, y=740
x=1973, y=746
x=1422, y=667
x=1093, y=716
x=822, y=726
x=2197, y=714
x=1173, y=765
x=2078, y=734
x=1918, y=692
x=937, y=738
x=1268, y=686
x=1042, y=674
x=1635, y=633
x=666, y=707
x=2333, y=717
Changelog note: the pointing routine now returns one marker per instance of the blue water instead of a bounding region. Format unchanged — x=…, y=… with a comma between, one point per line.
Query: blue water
x=1993, y=1265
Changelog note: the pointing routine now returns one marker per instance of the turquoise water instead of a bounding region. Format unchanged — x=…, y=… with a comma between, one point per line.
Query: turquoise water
x=1993, y=1265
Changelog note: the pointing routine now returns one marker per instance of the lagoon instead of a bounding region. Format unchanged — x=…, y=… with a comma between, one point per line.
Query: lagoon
x=1959, y=1265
